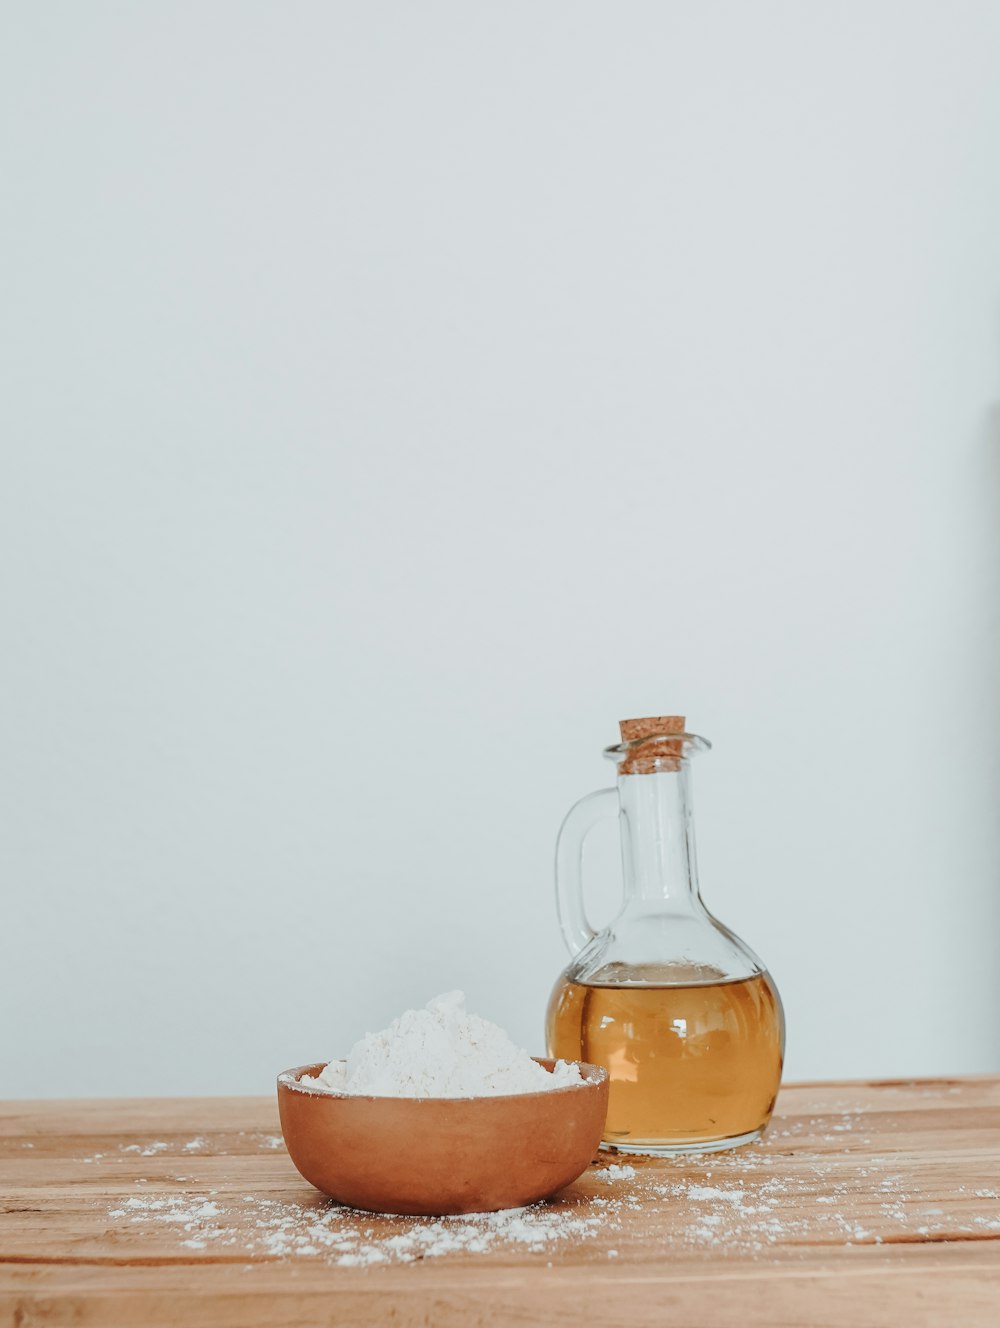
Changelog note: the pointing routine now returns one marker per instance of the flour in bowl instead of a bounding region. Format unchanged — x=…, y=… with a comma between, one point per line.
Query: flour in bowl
x=440, y=1051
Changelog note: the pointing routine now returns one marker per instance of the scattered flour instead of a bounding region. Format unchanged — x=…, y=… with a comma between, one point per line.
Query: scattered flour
x=750, y=1203
x=277, y=1228
x=615, y=1172
x=440, y=1051
x=701, y=1192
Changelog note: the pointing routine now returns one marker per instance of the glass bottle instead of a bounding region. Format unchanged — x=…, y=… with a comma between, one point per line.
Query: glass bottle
x=684, y=1016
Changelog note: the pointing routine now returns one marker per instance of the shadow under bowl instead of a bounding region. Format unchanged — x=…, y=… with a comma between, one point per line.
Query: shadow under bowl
x=435, y=1156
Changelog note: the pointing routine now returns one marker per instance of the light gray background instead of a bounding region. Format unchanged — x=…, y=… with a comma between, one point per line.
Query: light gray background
x=394, y=396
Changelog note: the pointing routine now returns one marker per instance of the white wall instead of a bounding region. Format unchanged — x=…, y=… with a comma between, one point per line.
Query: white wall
x=394, y=396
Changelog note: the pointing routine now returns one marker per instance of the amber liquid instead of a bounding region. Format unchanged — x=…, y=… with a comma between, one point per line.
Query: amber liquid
x=693, y=1061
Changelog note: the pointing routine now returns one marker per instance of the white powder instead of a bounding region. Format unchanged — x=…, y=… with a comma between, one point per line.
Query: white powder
x=279, y=1229
x=615, y=1172
x=750, y=1203
x=440, y=1051
x=710, y=1192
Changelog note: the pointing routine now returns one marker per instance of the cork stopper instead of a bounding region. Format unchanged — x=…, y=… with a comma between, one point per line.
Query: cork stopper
x=654, y=754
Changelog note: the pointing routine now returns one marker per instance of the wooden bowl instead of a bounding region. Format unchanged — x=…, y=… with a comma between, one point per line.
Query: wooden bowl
x=431, y=1156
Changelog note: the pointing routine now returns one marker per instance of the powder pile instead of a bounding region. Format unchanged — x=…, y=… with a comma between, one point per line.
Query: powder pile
x=440, y=1051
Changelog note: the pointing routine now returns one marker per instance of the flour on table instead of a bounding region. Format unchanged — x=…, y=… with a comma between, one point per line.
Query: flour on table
x=277, y=1228
x=751, y=1203
x=614, y=1172
x=440, y=1051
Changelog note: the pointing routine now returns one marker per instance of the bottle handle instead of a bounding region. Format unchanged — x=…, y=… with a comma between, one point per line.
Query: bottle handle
x=580, y=820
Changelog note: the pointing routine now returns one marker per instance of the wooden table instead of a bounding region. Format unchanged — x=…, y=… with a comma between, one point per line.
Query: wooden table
x=873, y=1203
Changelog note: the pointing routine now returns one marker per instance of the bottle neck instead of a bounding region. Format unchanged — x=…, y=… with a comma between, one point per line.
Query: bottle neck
x=658, y=856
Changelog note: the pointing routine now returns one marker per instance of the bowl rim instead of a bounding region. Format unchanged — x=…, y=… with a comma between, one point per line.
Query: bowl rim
x=592, y=1077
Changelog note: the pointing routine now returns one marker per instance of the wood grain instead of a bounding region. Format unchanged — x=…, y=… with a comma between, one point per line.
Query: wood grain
x=872, y=1204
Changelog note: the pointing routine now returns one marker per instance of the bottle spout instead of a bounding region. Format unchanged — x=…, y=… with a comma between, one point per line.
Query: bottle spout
x=655, y=744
